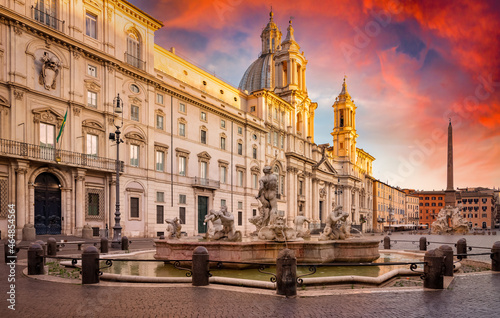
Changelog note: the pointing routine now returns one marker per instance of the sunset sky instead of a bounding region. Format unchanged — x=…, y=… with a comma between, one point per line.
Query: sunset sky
x=410, y=66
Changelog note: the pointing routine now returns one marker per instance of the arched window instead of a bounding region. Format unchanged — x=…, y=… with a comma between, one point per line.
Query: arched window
x=133, y=54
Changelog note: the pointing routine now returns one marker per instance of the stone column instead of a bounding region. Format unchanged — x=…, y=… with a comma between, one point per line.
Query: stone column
x=315, y=199
x=31, y=204
x=80, y=201
x=22, y=168
x=290, y=71
x=66, y=210
x=304, y=88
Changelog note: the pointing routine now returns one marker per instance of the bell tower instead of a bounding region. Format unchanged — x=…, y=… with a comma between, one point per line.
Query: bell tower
x=290, y=65
x=344, y=130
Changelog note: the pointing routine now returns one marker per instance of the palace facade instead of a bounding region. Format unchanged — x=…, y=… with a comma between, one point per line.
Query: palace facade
x=192, y=142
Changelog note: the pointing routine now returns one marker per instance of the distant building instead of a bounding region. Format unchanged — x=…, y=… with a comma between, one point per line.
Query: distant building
x=430, y=203
x=412, y=208
x=389, y=205
x=479, y=207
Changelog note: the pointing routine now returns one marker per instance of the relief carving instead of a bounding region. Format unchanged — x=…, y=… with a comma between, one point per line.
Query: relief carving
x=49, y=72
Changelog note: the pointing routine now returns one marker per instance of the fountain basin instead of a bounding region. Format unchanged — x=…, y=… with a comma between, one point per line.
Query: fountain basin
x=349, y=251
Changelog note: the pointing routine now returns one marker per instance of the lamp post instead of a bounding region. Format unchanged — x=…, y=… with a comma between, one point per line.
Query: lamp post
x=117, y=110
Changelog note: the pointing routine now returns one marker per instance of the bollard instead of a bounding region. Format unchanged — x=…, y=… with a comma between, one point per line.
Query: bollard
x=387, y=243
x=494, y=233
x=51, y=247
x=433, y=269
x=495, y=257
x=35, y=260
x=448, y=261
x=286, y=273
x=461, y=248
x=90, y=265
x=200, y=267
x=423, y=244
x=124, y=243
x=104, y=245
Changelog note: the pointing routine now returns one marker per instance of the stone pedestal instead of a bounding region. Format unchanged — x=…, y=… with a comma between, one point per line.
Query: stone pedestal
x=29, y=233
x=87, y=232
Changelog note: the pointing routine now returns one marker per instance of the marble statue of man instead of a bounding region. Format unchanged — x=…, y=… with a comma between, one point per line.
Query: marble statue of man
x=267, y=196
x=173, y=228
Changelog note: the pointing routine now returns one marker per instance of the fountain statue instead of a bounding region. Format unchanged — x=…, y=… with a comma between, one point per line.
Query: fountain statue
x=299, y=226
x=173, y=228
x=269, y=225
x=447, y=215
x=337, y=226
x=221, y=226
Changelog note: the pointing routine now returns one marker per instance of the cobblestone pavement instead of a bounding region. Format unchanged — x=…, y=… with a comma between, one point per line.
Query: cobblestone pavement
x=475, y=295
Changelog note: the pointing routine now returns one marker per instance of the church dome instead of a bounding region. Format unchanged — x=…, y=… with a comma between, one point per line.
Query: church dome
x=258, y=75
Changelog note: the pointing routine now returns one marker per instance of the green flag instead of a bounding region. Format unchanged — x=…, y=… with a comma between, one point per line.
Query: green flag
x=62, y=127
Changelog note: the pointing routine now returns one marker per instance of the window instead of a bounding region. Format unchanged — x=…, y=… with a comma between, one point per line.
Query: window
x=182, y=129
x=159, y=98
x=134, y=113
x=182, y=215
x=182, y=199
x=203, y=137
x=301, y=187
x=282, y=186
x=240, y=131
x=134, y=207
x=92, y=99
x=240, y=218
x=222, y=143
x=91, y=25
x=282, y=141
x=240, y=205
x=254, y=153
x=252, y=109
x=160, y=197
x=240, y=148
x=160, y=160
x=275, y=139
x=203, y=169
x=275, y=113
x=254, y=212
x=93, y=206
x=133, y=53
x=159, y=214
x=134, y=155
x=135, y=89
x=203, y=116
x=182, y=166
x=223, y=202
x=269, y=138
x=92, y=145
x=223, y=174
x=47, y=138
x=45, y=12
x=159, y=122
x=222, y=123
x=182, y=108
x=92, y=70
x=240, y=178
x=255, y=181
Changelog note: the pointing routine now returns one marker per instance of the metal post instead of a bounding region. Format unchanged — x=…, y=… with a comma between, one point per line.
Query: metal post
x=387, y=243
x=90, y=265
x=433, y=269
x=125, y=243
x=104, y=245
x=423, y=244
x=462, y=247
x=35, y=259
x=200, y=266
x=286, y=273
x=51, y=247
x=448, y=261
x=495, y=257
x=117, y=228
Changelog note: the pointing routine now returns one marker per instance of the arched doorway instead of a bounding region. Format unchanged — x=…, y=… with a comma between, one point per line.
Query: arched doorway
x=47, y=204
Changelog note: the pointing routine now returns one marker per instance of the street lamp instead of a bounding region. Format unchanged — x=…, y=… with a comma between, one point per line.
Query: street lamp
x=117, y=110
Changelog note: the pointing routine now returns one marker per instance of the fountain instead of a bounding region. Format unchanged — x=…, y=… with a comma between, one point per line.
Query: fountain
x=450, y=214
x=223, y=243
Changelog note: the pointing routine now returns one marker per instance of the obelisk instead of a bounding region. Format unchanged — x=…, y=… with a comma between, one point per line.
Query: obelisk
x=449, y=196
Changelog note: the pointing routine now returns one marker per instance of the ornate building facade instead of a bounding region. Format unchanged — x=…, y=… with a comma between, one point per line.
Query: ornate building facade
x=192, y=142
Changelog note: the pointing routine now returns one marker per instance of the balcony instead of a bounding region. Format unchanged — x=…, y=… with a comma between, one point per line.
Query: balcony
x=135, y=61
x=21, y=150
x=205, y=183
x=46, y=19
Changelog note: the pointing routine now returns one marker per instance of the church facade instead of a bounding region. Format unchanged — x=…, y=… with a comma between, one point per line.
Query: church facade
x=192, y=142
